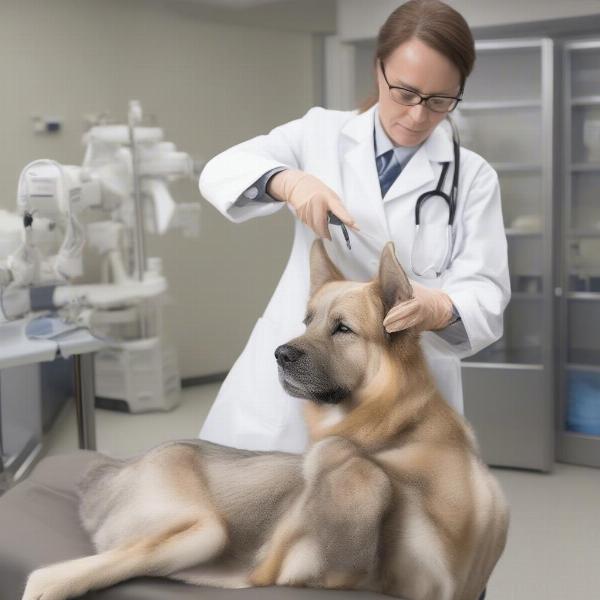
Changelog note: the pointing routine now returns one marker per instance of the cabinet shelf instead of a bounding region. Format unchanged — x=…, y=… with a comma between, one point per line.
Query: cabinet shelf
x=585, y=101
x=507, y=358
x=578, y=448
x=522, y=233
x=518, y=167
x=589, y=296
x=526, y=296
x=583, y=367
x=580, y=436
x=500, y=105
x=579, y=233
x=584, y=359
x=585, y=167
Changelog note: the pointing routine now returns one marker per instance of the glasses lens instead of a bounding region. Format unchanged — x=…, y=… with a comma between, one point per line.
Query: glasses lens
x=441, y=104
x=405, y=97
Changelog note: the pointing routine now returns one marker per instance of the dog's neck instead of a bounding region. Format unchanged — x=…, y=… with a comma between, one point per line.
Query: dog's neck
x=390, y=404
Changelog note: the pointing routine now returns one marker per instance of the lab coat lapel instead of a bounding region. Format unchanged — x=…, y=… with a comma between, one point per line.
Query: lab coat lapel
x=359, y=160
x=421, y=168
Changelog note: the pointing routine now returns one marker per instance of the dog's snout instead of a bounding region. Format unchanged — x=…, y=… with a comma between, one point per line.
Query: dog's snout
x=287, y=354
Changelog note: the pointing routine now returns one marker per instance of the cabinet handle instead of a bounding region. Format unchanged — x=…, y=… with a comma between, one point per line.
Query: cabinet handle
x=558, y=292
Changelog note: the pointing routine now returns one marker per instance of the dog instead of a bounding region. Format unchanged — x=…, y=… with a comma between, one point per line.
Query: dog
x=391, y=495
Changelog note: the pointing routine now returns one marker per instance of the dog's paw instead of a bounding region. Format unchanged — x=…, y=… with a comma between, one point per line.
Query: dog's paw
x=45, y=584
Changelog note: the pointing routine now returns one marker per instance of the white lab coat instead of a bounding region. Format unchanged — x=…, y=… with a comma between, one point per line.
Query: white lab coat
x=252, y=410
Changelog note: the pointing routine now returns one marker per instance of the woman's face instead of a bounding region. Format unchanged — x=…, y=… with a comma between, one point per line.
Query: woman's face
x=415, y=66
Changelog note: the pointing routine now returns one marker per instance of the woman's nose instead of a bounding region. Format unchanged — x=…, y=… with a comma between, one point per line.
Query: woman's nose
x=419, y=113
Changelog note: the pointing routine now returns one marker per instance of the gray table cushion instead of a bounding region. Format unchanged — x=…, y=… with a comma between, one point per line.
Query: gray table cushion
x=39, y=526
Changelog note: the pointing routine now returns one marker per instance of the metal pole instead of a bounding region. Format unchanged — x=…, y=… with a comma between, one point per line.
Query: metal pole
x=140, y=250
x=3, y=480
x=139, y=246
x=85, y=396
x=5, y=475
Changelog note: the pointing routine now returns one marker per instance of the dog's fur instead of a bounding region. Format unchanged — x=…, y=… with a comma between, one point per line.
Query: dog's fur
x=391, y=495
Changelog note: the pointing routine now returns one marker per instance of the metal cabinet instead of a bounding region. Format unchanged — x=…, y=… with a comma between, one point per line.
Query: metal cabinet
x=579, y=298
x=20, y=422
x=507, y=117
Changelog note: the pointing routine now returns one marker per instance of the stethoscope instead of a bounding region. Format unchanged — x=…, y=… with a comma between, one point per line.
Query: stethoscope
x=424, y=262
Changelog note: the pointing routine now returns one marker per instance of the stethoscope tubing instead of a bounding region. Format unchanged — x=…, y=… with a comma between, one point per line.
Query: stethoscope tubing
x=450, y=199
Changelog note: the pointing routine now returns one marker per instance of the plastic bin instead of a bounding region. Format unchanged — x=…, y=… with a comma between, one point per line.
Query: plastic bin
x=140, y=376
x=583, y=413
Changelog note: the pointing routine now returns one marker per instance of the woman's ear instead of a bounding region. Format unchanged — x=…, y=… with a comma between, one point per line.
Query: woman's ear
x=393, y=282
x=322, y=270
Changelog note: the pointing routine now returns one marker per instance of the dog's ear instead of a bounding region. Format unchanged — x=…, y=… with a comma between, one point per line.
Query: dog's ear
x=394, y=284
x=322, y=270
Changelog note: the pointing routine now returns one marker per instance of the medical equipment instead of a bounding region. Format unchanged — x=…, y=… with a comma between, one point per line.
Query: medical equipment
x=124, y=176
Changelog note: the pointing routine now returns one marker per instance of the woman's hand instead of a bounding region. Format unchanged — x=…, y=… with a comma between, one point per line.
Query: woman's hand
x=310, y=198
x=428, y=310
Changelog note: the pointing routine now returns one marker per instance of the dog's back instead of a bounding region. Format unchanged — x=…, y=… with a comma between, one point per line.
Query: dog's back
x=252, y=488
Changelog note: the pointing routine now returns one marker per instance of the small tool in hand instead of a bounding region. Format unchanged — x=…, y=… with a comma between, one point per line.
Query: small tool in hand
x=333, y=220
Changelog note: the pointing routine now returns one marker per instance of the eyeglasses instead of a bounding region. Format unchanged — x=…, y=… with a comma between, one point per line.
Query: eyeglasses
x=438, y=104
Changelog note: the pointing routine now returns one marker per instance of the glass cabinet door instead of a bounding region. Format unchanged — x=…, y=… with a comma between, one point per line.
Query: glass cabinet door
x=579, y=339
x=501, y=118
x=506, y=117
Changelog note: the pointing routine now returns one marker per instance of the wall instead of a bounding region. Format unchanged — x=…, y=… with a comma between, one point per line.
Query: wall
x=210, y=85
x=355, y=23
x=312, y=16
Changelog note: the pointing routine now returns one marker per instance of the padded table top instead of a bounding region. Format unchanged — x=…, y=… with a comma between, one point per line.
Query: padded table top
x=39, y=525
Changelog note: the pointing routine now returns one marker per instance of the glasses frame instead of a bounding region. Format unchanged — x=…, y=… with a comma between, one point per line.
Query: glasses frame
x=423, y=99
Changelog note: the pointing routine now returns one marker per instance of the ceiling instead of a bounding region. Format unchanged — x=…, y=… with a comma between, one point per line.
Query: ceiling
x=237, y=3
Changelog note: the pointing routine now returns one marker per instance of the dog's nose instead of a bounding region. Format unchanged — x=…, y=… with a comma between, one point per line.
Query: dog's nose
x=287, y=354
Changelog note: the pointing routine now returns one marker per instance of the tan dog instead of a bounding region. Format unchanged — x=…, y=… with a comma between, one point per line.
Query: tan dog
x=390, y=497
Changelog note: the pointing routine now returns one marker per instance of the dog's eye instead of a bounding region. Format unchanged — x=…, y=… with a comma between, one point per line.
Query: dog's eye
x=341, y=328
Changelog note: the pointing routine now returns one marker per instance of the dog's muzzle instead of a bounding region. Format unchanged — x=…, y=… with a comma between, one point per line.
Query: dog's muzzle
x=300, y=378
x=286, y=354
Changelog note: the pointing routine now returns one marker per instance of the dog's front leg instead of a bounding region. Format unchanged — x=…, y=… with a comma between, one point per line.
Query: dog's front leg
x=273, y=555
x=290, y=557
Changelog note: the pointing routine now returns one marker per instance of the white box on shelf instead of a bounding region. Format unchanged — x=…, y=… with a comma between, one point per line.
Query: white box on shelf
x=140, y=376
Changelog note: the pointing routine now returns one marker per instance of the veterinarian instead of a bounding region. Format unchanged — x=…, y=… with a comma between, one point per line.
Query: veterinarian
x=369, y=168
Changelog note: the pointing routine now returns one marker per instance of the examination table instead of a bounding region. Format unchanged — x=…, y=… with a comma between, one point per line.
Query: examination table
x=39, y=525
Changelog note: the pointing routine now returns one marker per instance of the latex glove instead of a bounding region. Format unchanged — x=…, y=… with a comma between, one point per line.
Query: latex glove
x=310, y=198
x=428, y=310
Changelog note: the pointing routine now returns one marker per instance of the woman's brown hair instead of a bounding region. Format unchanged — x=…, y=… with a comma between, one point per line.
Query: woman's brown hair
x=434, y=23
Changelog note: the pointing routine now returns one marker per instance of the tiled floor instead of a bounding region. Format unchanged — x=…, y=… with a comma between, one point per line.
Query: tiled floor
x=553, y=550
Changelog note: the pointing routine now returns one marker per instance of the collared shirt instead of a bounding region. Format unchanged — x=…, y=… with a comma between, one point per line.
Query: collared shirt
x=383, y=143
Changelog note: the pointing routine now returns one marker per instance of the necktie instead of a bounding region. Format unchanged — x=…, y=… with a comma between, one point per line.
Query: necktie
x=388, y=168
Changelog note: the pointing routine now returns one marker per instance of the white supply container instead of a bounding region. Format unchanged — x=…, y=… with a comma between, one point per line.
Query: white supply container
x=139, y=376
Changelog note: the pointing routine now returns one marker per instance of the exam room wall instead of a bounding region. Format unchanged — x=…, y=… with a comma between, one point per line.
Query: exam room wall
x=210, y=85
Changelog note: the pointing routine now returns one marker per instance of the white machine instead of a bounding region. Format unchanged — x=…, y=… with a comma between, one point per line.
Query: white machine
x=124, y=180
